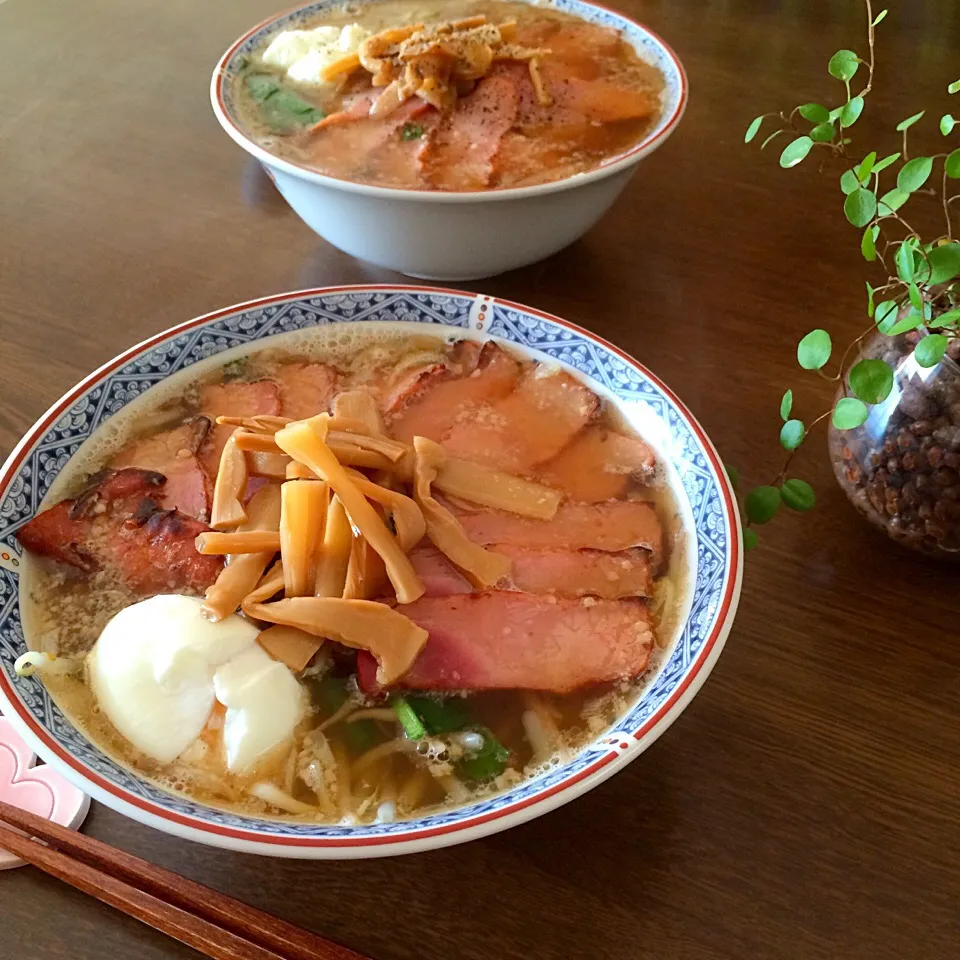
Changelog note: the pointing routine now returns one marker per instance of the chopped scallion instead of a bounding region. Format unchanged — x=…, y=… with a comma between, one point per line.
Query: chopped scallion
x=411, y=723
x=439, y=716
x=488, y=762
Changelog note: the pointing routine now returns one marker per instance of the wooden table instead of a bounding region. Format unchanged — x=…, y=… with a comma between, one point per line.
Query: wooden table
x=807, y=804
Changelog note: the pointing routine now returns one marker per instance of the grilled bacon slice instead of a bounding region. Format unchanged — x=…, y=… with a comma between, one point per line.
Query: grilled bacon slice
x=580, y=573
x=235, y=399
x=441, y=399
x=173, y=453
x=613, y=526
x=528, y=426
x=118, y=525
x=498, y=640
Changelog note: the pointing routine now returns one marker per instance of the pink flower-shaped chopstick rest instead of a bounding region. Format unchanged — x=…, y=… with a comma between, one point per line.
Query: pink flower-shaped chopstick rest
x=38, y=789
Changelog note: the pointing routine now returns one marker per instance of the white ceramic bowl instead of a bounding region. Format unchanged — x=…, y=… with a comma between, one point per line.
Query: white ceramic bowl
x=692, y=467
x=454, y=236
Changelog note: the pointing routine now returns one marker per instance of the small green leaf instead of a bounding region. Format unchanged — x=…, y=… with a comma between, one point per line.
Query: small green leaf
x=930, y=350
x=952, y=164
x=822, y=133
x=848, y=182
x=814, y=113
x=892, y=200
x=953, y=87
x=868, y=247
x=281, y=108
x=921, y=274
x=262, y=86
x=914, y=174
x=750, y=539
x=795, y=151
x=910, y=121
x=411, y=131
x=850, y=114
x=944, y=262
x=880, y=17
x=886, y=315
x=865, y=167
x=949, y=319
x=843, y=65
x=849, y=413
x=871, y=380
x=947, y=123
x=798, y=495
x=904, y=260
x=734, y=474
x=762, y=504
x=834, y=114
x=882, y=165
x=908, y=324
x=916, y=298
x=813, y=351
x=753, y=129
x=786, y=405
x=791, y=434
x=870, y=293
x=860, y=207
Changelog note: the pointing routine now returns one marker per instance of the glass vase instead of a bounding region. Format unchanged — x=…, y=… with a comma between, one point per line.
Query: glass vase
x=901, y=468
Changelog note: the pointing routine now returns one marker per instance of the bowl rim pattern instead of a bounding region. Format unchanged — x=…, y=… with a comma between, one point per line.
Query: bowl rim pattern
x=718, y=544
x=586, y=9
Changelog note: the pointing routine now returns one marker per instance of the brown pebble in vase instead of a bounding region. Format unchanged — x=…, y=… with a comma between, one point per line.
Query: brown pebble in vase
x=901, y=469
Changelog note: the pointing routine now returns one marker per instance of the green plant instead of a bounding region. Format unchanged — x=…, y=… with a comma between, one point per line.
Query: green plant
x=921, y=278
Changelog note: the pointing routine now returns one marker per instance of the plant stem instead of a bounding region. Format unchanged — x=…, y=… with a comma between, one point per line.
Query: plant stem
x=893, y=215
x=871, y=39
x=946, y=204
x=786, y=463
x=850, y=346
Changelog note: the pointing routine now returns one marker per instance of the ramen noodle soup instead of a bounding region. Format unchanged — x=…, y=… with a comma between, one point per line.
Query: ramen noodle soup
x=442, y=95
x=354, y=578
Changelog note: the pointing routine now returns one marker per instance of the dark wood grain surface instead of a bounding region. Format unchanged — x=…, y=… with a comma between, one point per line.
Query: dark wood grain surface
x=807, y=804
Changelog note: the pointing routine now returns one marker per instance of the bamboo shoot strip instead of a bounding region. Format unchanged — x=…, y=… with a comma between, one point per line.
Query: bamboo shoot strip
x=335, y=553
x=243, y=572
x=303, y=515
x=481, y=567
x=305, y=442
x=392, y=638
x=231, y=482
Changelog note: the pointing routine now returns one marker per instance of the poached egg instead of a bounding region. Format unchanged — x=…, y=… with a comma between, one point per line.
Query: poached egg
x=159, y=667
x=305, y=54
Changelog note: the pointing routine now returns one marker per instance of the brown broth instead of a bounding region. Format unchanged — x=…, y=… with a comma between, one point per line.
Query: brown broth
x=64, y=613
x=380, y=152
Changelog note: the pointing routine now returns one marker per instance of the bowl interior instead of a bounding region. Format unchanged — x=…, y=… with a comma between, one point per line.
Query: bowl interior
x=693, y=470
x=648, y=45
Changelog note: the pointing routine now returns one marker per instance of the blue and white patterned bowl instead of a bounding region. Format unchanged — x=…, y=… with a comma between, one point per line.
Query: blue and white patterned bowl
x=692, y=465
x=448, y=235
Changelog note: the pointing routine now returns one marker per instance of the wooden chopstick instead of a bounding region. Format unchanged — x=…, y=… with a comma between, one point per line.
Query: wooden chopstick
x=208, y=921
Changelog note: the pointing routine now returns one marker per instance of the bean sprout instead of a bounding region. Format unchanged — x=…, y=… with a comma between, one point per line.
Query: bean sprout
x=272, y=794
x=44, y=663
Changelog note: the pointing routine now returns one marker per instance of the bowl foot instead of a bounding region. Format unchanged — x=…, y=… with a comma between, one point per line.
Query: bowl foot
x=456, y=278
